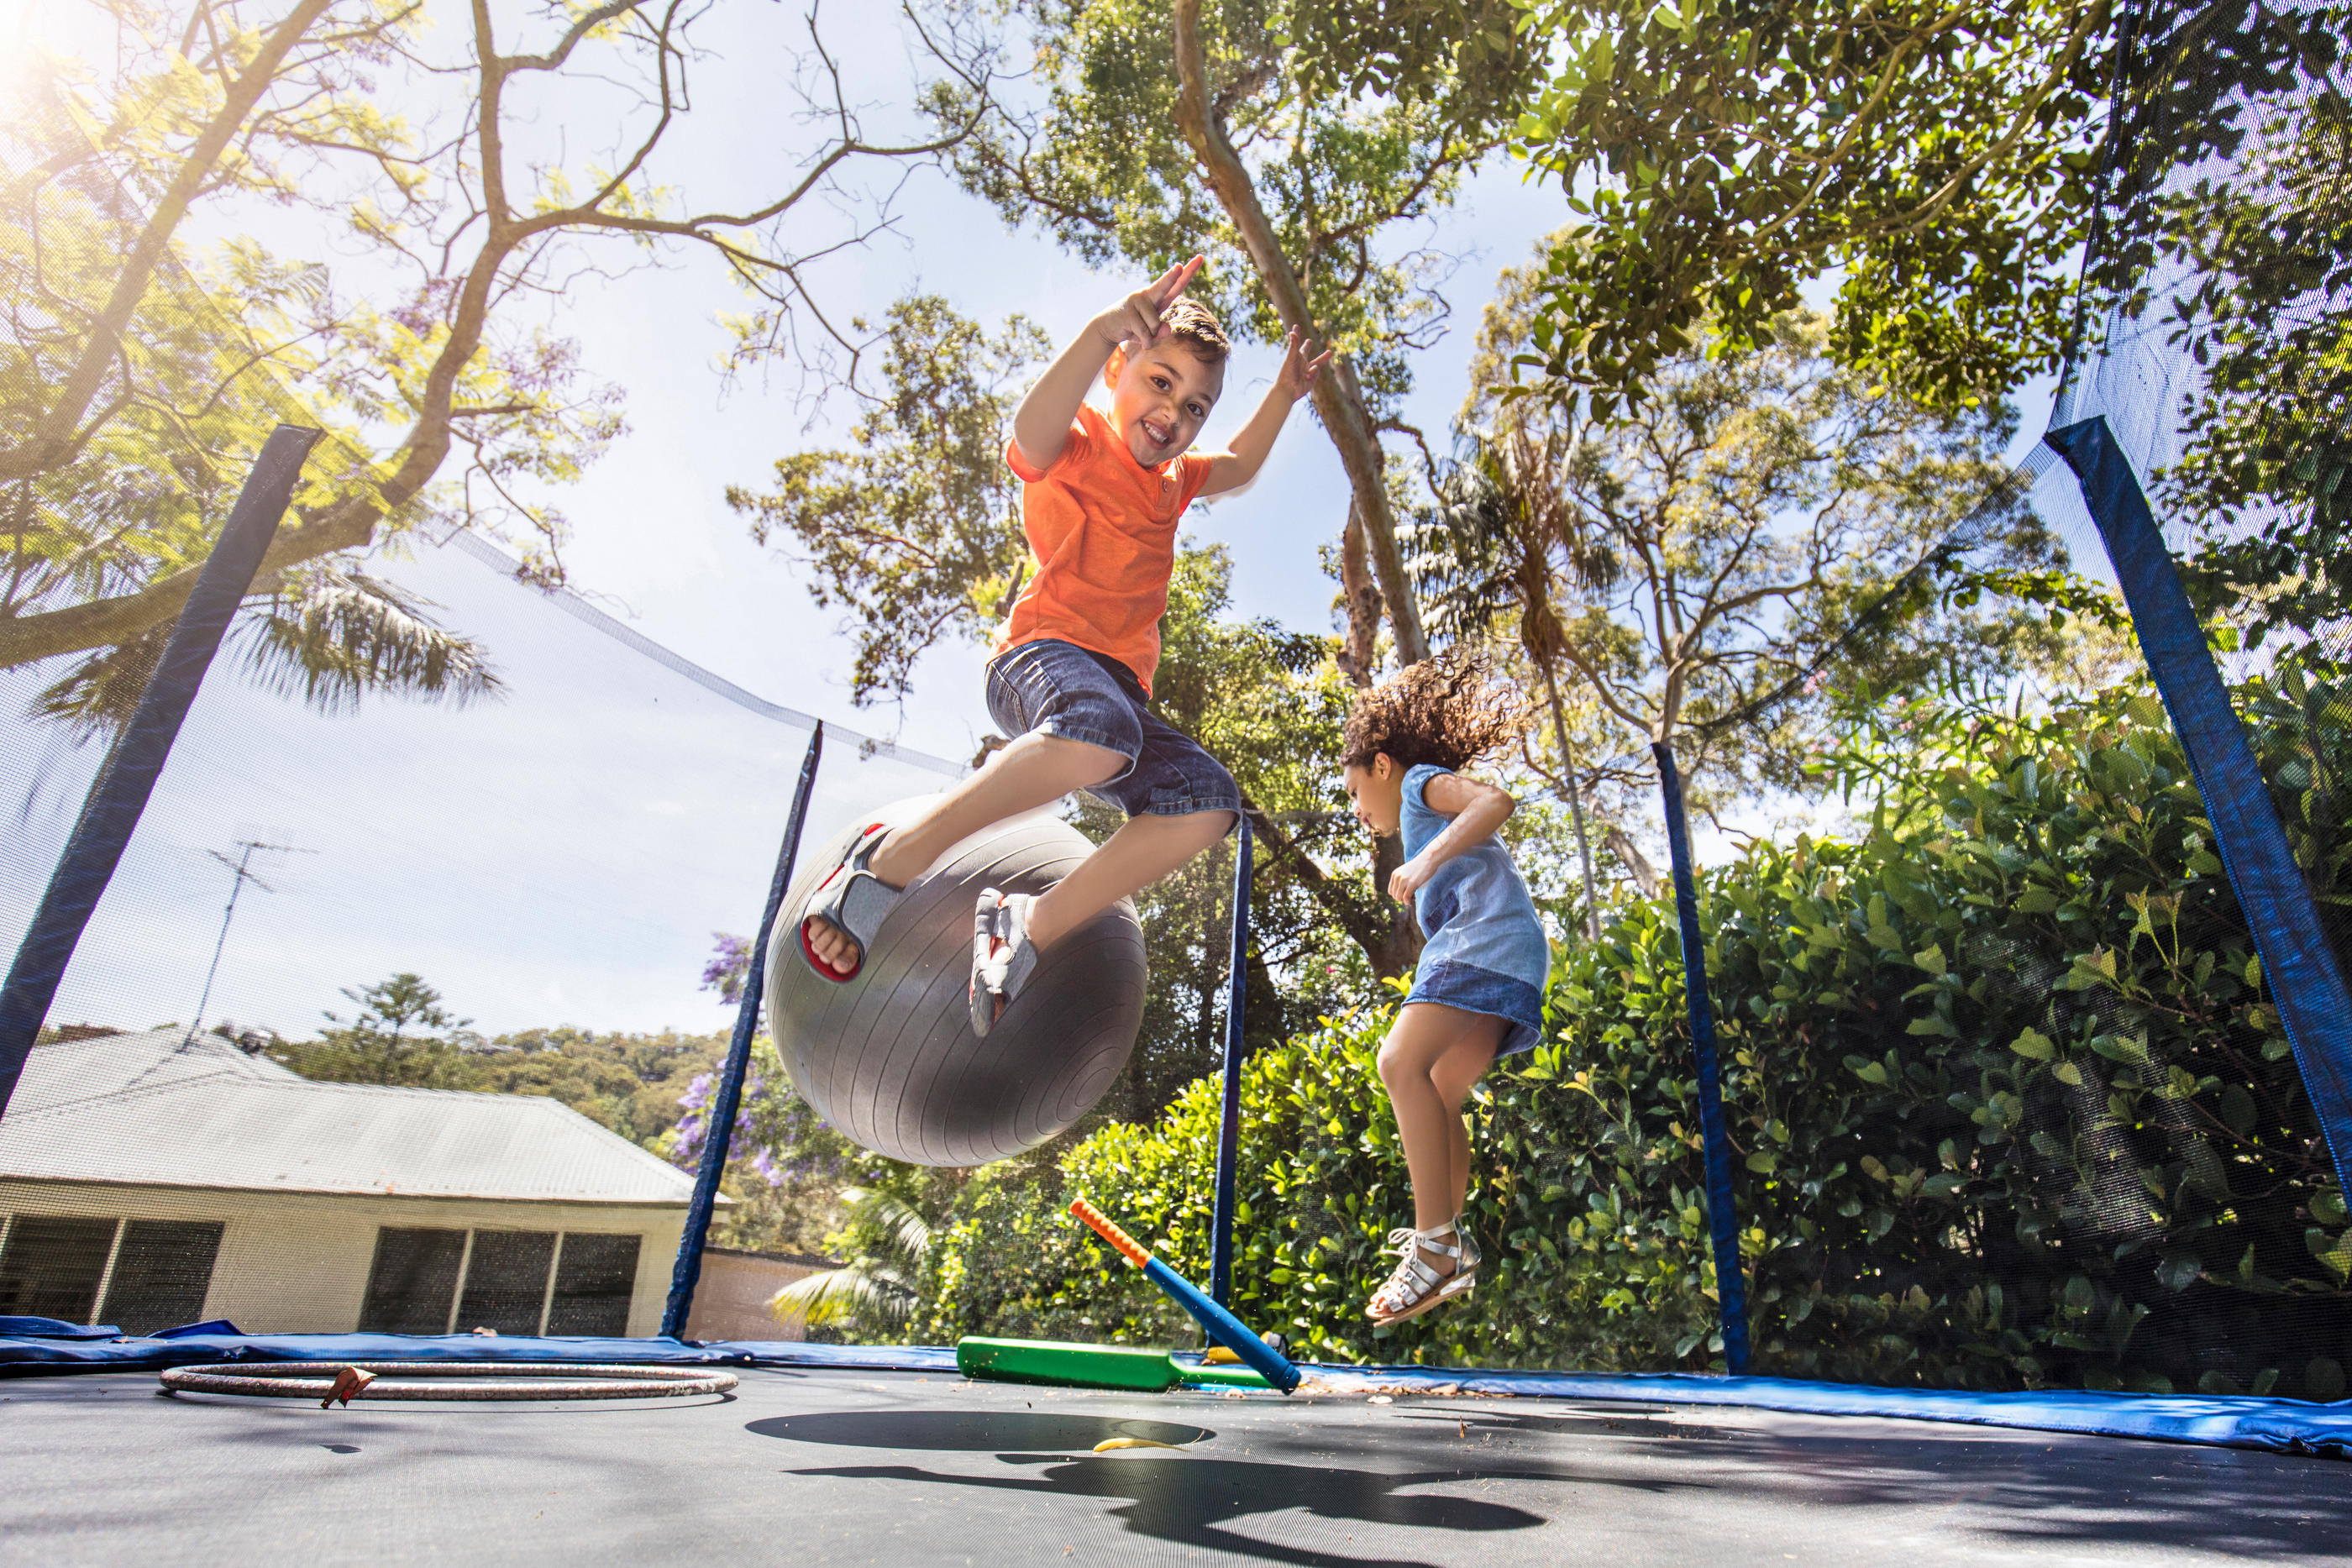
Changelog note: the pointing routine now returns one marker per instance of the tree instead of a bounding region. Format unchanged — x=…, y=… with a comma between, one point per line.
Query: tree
x=2247, y=270
x=133, y=394
x=1758, y=528
x=915, y=532
x=1726, y=154
x=1487, y=556
x=1168, y=130
x=401, y=1034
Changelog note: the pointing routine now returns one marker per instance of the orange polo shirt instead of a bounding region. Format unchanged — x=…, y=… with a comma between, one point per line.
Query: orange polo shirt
x=1102, y=543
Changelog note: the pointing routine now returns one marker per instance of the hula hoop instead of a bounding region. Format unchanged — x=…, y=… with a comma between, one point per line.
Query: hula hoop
x=556, y=1380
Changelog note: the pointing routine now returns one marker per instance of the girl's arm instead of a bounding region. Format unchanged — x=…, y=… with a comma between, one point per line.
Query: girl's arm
x=1477, y=809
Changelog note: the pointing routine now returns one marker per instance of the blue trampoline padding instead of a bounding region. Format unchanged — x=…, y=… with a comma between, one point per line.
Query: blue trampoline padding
x=55, y=1328
x=210, y=1326
x=2280, y=1426
x=18, y=1356
x=2240, y=1421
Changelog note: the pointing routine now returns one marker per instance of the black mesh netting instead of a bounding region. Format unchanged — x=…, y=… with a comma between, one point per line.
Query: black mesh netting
x=2010, y=1102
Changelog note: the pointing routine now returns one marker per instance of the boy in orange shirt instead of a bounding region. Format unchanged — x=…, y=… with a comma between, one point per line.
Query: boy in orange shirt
x=1100, y=499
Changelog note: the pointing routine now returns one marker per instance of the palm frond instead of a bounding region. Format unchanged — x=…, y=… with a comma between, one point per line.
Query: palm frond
x=99, y=694
x=334, y=634
x=843, y=1296
x=877, y=1287
x=907, y=1234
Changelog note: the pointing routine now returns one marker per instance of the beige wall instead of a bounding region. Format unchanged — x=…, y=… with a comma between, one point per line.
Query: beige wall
x=731, y=1297
x=297, y=1263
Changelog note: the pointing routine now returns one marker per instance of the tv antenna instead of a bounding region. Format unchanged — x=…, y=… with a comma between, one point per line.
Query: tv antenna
x=241, y=872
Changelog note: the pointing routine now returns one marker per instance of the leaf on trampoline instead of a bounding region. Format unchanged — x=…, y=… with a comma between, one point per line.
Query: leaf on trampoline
x=348, y=1382
x=1109, y=1443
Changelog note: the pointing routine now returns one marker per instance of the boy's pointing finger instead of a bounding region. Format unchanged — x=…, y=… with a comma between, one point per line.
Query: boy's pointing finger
x=1177, y=279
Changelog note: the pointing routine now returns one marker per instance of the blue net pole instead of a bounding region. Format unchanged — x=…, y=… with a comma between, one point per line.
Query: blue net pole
x=1229, y=1116
x=720, y=1127
x=1722, y=1222
x=2314, y=1003
x=119, y=797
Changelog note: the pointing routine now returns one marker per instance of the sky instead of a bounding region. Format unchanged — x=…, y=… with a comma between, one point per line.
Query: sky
x=564, y=855
x=652, y=528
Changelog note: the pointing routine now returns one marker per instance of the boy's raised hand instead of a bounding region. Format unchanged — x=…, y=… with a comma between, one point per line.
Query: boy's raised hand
x=1298, y=371
x=1136, y=319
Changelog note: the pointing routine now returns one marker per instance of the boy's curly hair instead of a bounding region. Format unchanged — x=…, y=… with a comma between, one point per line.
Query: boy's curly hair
x=1449, y=711
x=1192, y=323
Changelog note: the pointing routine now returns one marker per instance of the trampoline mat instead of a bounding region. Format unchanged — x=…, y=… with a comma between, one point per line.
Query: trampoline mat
x=825, y=1466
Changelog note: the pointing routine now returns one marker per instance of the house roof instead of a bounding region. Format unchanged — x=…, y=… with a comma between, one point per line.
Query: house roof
x=158, y=1109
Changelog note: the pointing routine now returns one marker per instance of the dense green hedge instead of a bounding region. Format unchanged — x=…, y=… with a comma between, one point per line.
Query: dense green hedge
x=2011, y=1105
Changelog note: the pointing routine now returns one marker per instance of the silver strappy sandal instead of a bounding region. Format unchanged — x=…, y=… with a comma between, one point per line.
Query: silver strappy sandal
x=853, y=901
x=1002, y=955
x=1417, y=1286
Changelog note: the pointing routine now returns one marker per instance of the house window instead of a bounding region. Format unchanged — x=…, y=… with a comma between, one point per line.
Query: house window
x=412, y=1281
x=154, y=1273
x=506, y=1280
x=51, y=1267
x=513, y=1282
x=163, y=1271
x=593, y=1285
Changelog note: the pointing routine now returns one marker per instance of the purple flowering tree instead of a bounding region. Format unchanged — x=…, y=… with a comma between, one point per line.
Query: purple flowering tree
x=730, y=967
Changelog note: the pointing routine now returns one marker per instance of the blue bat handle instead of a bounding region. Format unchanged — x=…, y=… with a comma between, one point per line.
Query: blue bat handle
x=1224, y=1328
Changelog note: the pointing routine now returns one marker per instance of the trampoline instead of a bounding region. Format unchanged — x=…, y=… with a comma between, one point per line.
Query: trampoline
x=581, y=840
x=843, y=1464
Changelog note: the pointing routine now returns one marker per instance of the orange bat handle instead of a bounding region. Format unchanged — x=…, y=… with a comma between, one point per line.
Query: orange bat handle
x=1127, y=1244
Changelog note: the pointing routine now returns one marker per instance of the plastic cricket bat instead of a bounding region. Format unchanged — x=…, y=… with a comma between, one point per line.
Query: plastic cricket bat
x=1222, y=1326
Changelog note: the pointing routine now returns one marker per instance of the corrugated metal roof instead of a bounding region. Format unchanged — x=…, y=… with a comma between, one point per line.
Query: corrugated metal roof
x=147, y=1108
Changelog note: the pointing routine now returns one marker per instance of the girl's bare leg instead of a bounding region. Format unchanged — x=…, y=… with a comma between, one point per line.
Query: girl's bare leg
x=1428, y=1037
x=1455, y=1071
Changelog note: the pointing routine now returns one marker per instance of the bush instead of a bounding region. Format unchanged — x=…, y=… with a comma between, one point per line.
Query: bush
x=2010, y=1106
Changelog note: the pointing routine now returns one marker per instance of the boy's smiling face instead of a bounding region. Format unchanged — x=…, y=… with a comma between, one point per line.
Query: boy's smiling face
x=1160, y=396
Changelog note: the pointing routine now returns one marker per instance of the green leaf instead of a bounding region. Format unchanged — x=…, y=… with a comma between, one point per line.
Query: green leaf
x=1930, y=958
x=2120, y=1048
x=2034, y=1043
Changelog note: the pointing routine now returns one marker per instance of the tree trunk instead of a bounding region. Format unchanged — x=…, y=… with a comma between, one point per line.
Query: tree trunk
x=1400, y=941
x=1575, y=802
x=1389, y=943
x=1338, y=396
x=1359, y=653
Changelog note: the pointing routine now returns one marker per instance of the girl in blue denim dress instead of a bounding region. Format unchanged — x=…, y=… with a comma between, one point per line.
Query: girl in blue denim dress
x=1479, y=991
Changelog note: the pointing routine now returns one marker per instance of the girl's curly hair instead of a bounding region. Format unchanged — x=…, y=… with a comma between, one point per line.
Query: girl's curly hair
x=1449, y=711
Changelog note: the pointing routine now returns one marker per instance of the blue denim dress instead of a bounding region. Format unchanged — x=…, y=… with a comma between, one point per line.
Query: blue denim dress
x=1488, y=952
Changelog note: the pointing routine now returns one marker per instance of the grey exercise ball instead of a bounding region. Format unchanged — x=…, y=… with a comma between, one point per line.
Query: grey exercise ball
x=888, y=1058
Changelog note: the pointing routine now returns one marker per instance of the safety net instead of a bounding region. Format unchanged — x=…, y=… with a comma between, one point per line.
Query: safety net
x=395, y=1013
x=2021, y=1066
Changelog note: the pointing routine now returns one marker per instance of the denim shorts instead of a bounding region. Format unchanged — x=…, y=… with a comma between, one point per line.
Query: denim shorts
x=1059, y=688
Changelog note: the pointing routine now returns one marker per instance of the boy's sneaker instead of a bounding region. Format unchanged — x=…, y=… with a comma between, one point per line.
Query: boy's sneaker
x=1002, y=955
